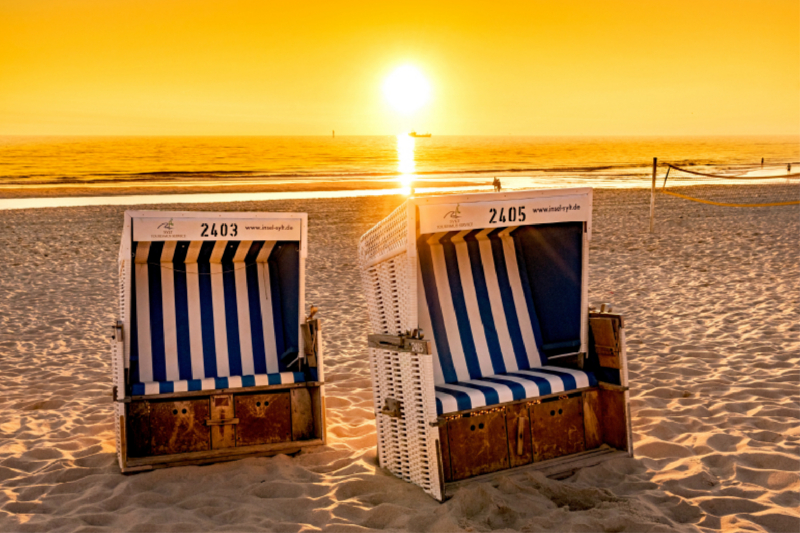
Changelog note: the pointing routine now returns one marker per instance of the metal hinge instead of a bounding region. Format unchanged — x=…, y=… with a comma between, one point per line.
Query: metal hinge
x=114, y=391
x=392, y=407
x=411, y=342
x=117, y=335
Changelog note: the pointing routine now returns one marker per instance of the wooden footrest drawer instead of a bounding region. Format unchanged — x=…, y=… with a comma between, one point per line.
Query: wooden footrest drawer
x=484, y=441
x=169, y=427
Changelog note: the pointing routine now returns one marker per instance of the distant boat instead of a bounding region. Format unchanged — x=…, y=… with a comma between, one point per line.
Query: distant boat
x=415, y=134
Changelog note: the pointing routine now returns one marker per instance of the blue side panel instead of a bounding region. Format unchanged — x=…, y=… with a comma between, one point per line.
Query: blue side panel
x=134, y=362
x=526, y=288
x=553, y=256
x=284, y=270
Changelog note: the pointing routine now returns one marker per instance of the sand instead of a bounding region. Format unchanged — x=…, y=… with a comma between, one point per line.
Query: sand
x=712, y=307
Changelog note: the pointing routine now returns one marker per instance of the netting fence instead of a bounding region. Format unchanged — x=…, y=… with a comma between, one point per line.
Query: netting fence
x=721, y=187
x=734, y=186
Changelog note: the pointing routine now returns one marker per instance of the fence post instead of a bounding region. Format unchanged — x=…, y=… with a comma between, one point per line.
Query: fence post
x=653, y=196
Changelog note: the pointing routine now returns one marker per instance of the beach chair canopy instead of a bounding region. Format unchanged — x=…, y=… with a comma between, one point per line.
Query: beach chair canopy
x=216, y=303
x=499, y=302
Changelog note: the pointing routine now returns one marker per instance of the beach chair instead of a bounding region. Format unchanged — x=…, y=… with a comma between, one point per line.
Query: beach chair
x=484, y=354
x=212, y=357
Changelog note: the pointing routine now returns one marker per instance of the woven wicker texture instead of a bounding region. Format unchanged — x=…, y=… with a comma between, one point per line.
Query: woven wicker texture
x=118, y=362
x=406, y=445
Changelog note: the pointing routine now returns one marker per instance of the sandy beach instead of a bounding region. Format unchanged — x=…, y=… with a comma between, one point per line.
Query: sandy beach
x=712, y=309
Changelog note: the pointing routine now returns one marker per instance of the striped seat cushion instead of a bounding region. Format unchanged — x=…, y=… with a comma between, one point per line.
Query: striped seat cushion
x=500, y=300
x=206, y=310
x=513, y=386
x=232, y=382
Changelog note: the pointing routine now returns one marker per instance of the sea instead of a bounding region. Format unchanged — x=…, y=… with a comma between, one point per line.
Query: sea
x=395, y=159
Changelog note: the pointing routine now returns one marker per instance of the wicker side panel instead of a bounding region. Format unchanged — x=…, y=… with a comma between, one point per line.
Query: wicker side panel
x=392, y=434
x=390, y=288
x=389, y=284
x=387, y=236
x=116, y=357
x=407, y=445
x=119, y=360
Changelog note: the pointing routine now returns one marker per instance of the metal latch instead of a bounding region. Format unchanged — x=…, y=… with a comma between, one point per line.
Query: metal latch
x=411, y=342
x=222, y=421
x=392, y=407
x=117, y=334
x=114, y=398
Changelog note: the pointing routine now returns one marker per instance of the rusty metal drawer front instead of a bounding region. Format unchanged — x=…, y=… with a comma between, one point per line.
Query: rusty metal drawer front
x=179, y=427
x=263, y=418
x=138, y=429
x=557, y=428
x=478, y=444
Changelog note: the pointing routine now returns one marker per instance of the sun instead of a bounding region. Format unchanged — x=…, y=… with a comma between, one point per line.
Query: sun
x=407, y=89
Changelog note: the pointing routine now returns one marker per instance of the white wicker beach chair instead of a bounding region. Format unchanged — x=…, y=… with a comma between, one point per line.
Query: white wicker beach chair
x=213, y=359
x=481, y=353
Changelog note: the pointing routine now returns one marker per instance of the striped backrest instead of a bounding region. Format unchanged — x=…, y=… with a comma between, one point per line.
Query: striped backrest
x=499, y=300
x=205, y=309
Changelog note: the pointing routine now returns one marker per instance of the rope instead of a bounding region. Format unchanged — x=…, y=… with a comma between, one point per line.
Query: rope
x=709, y=202
x=740, y=176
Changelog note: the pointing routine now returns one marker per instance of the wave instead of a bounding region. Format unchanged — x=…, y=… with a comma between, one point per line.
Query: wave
x=177, y=175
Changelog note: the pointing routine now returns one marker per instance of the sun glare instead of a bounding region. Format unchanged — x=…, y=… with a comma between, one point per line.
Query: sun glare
x=407, y=89
x=405, y=162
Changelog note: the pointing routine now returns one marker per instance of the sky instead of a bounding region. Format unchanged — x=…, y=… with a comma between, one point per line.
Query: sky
x=261, y=67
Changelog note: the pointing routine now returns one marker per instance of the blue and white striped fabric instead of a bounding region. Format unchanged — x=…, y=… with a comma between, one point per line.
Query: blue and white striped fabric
x=209, y=310
x=232, y=382
x=498, y=302
x=509, y=387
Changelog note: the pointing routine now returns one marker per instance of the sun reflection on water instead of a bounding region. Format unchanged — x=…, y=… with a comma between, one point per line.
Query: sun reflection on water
x=406, y=164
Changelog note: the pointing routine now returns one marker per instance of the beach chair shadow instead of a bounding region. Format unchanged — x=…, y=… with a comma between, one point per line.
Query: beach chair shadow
x=484, y=355
x=212, y=357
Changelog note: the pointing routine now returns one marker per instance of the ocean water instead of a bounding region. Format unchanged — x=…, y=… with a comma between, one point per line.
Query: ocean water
x=95, y=160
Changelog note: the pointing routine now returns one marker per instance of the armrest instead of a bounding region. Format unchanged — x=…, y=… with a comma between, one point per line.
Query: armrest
x=606, y=328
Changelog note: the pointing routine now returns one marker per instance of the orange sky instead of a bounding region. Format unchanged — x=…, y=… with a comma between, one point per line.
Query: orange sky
x=256, y=67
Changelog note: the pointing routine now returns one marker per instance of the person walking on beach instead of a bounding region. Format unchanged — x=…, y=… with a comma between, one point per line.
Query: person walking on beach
x=496, y=185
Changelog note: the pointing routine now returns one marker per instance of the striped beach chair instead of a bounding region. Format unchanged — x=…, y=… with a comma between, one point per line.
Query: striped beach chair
x=213, y=358
x=484, y=353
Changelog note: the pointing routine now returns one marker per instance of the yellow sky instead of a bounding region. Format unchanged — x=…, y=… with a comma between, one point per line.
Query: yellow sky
x=257, y=67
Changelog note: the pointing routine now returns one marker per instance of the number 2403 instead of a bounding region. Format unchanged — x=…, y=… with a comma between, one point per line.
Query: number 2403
x=223, y=230
x=512, y=215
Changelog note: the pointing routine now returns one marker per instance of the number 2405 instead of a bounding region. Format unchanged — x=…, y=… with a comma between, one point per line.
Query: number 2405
x=223, y=230
x=512, y=215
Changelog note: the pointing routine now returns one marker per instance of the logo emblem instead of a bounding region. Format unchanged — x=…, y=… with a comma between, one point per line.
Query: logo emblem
x=166, y=225
x=455, y=214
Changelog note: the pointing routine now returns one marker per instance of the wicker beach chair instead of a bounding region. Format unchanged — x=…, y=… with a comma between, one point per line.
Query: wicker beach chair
x=484, y=354
x=212, y=357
